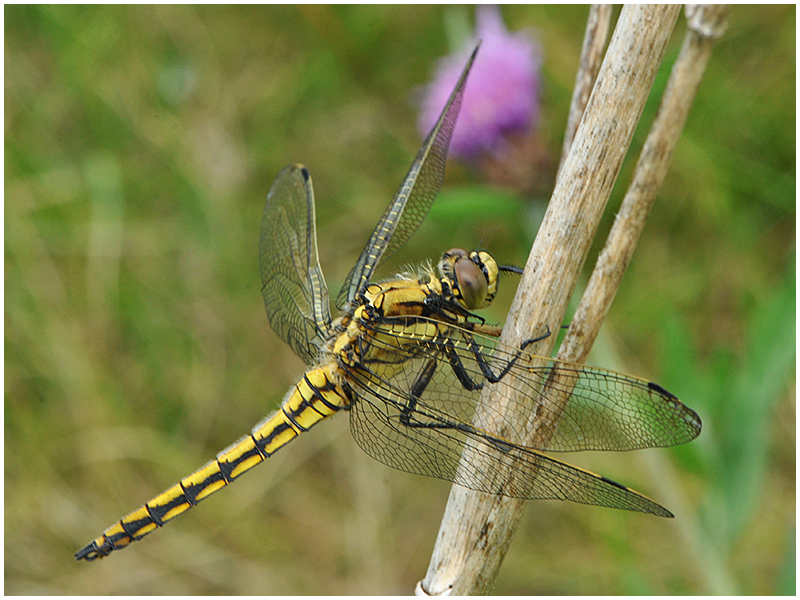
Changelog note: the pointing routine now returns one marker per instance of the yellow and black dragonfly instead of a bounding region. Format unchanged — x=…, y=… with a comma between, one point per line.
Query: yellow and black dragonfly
x=408, y=359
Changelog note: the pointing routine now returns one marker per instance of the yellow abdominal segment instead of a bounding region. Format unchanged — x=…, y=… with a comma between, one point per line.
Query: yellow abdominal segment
x=316, y=396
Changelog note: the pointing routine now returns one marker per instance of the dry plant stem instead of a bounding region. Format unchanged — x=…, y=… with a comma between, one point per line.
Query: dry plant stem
x=477, y=528
x=594, y=40
x=706, y=23
x=647, y=179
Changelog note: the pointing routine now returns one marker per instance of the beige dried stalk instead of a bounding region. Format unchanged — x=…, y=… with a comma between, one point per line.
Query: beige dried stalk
x=594, y=40
x=705, y=24
x=477, y=528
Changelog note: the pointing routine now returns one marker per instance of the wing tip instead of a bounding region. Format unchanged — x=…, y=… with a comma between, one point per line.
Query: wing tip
x=693, y=417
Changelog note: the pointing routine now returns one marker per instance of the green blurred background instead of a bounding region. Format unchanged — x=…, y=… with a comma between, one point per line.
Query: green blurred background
x=140, y=143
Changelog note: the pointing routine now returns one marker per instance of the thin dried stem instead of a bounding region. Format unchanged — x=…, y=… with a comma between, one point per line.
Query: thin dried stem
x=647, y=179
x=594, y=40
x=477, y=528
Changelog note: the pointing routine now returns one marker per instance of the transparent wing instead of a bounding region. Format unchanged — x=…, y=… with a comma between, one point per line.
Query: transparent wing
x=605, y=410
x=437, y=453
x=412, y=201
x=295, y=294
x=415, y=413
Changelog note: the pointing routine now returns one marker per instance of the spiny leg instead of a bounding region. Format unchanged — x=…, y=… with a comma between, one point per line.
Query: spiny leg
x=485, y=368
x=410, y=415
x=415, y=393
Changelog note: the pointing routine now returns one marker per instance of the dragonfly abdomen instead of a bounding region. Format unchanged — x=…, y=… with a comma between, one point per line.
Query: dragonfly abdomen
x=314, y=397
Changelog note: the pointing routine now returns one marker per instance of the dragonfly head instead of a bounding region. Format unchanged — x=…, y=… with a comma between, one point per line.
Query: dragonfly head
x=470, y=276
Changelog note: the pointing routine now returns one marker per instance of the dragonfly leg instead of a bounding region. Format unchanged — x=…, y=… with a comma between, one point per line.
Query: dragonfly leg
x=410, y=415
x=415, y=393
x=451, y=311
x=437, y=422
x=544, y=336
x=458, y=367
x=484, y=365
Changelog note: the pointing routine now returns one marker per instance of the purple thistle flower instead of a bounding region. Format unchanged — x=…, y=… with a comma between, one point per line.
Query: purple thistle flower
x=502, y=94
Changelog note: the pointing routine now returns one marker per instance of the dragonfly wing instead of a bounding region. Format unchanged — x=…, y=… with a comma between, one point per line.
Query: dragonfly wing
x=413, y=200
x=564, y=407
x=612, y=411
x=433, y=441
x=295, y=294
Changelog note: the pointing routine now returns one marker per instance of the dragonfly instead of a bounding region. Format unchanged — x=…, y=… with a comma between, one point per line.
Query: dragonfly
x=408, y=359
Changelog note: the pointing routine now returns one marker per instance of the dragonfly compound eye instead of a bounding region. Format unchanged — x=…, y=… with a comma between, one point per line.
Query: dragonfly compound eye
x=447, y=264
x=471, y=282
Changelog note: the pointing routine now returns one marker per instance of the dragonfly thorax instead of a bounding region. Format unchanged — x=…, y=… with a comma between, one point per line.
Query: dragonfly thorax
x=469, y=278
